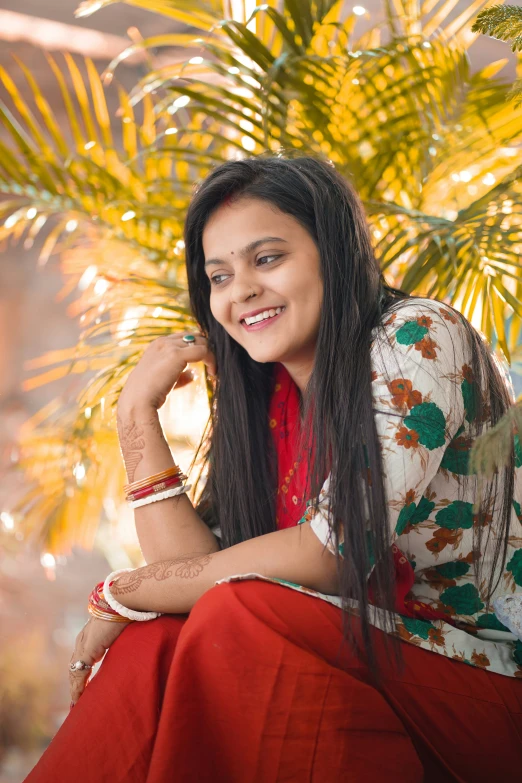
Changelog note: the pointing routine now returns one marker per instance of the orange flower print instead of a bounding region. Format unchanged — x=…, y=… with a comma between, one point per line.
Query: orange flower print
x=448, y=316
x=436, y=637
x=435, y=579
x=480, y=659
x=403, y=393
x=467, y=373
x=484, y=521
x=391, y=319
x=407, y=438
x=273, y=423
x=410, y=497
x=427, y=347
x=486, y=412
x=374, y=376
x=441, y=538
x=424, y=321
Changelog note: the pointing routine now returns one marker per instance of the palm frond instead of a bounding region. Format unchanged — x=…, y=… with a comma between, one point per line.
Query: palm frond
x=197, y=13
x=432, y=149
x=503, y=22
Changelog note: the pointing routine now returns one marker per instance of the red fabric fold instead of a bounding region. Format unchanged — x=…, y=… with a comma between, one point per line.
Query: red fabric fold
x=254, y=687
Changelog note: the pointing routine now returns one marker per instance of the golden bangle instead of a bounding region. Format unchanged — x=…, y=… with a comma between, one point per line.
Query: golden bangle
x=112, y=618
x=161, y=474
x=155, y=488
x=135, y=485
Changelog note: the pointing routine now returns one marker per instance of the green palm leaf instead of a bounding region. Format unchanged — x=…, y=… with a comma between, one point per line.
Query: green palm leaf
x=427, y=145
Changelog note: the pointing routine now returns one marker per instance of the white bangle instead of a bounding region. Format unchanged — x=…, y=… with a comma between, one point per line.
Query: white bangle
x=131, y=614
x=168, y=493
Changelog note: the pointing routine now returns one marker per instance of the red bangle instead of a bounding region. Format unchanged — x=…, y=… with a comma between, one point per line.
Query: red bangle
x=97, y=600
x=152, y=489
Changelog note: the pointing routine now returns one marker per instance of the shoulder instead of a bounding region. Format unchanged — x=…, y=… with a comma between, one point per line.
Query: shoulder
x=422, y=330
x=422, y=316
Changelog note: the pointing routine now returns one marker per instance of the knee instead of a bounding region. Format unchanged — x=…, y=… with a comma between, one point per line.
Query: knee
x=236, y=605
x=228, y=602
x=162, y=630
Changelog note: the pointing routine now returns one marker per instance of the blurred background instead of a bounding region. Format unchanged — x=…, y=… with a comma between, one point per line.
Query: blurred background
x=91, y=265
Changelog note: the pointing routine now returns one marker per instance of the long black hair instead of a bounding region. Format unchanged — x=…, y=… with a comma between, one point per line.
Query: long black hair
x=240, y=489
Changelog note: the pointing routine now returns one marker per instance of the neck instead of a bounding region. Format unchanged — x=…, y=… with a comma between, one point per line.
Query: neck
x=300, y=374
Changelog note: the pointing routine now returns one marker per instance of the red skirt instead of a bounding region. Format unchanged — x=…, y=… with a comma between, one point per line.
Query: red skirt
x=250, y=688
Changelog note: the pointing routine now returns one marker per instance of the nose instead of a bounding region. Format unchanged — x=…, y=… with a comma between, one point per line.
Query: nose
x=242, y=288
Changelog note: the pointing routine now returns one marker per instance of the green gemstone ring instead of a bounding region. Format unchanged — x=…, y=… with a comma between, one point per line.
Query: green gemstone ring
x=188, y=338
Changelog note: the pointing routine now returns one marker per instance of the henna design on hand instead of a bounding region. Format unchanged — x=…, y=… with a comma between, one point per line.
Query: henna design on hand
x=186, y=567
x=132, y=445
x=155, y=424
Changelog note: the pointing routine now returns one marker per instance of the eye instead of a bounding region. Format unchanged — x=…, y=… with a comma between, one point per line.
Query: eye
x=215, y=279
x=262, y=257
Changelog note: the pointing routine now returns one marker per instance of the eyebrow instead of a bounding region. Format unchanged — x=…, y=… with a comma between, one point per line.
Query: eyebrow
x=247, y=249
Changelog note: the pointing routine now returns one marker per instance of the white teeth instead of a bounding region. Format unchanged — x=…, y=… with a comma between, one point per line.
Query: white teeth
x=262, y=316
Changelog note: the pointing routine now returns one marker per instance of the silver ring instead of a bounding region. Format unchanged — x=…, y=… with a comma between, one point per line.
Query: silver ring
x=79, y=666
x=188, y=338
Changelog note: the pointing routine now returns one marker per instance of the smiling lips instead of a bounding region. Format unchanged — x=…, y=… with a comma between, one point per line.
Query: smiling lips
x=263, y=321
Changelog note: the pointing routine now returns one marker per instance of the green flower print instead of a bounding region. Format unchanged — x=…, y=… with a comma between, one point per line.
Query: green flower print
x=428, y=421
x=517, y=654
x=456, y=461
x=417, y=627
x=491, y=622
x=518, y=451
x=456, y=456
x=453, y=570
x=464, y=600
x=412, y=514
x=518, y=510
x=286, y=582
x=409, y=333
x=468, y=395
x=515, y=566
x=457, y=514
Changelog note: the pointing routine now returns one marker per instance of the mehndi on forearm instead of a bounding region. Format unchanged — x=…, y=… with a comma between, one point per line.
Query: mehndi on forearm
x=172, y=585
x=170, y=527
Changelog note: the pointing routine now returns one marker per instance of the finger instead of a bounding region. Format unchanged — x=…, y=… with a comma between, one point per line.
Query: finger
x=78, y=677
x=200, y=340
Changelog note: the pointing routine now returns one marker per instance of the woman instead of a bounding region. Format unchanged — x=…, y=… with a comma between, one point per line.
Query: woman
x=322, y=599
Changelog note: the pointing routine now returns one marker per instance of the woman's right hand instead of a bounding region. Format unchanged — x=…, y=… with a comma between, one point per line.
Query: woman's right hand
x=162, y=366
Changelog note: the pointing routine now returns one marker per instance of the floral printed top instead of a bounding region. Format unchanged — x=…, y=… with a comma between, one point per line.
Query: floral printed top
x=422, y=391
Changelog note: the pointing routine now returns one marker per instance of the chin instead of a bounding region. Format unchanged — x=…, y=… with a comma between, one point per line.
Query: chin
x=264, y=356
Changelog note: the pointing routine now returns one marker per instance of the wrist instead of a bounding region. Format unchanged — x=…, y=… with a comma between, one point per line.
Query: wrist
x=135, y=408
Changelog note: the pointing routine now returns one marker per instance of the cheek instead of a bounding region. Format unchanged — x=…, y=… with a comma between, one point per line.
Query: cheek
x=218, y=310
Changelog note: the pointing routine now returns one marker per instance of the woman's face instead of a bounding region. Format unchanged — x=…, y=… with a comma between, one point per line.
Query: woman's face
x=252, y=247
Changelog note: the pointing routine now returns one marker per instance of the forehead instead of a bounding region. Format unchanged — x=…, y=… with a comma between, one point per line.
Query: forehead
x=233, y=226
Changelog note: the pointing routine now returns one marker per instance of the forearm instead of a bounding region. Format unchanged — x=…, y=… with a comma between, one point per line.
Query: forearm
x=174, y=585
x=168, y=528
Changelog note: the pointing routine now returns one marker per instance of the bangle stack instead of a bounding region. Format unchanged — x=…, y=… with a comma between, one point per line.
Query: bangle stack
x=162, y=485
x=123, y=611
x=166, y=484
x=104, y=606
x=99, y=608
